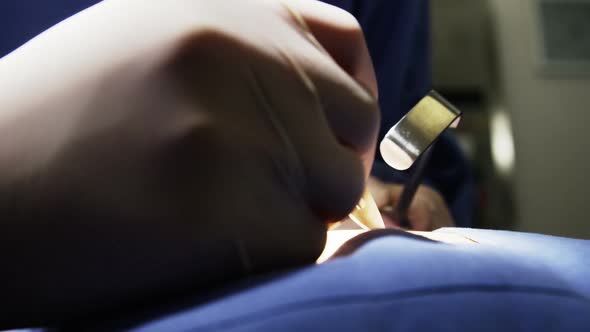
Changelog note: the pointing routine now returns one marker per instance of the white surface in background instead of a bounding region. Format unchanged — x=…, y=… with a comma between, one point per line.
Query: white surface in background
x=502, y=142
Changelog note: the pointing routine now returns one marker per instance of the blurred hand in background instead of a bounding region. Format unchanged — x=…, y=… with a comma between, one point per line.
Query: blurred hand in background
x=427, y=212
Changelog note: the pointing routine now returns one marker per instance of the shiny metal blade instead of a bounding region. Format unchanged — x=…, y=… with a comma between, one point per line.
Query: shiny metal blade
x=417, y=130
x=366, y=213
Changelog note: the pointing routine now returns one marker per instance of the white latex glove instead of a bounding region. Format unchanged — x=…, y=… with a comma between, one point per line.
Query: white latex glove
x=148, y=146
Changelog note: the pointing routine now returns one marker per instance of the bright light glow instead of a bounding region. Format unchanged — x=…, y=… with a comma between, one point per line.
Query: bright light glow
x=337, y=238
x=502, y=142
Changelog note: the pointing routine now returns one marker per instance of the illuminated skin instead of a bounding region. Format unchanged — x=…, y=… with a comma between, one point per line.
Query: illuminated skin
x=173, y=155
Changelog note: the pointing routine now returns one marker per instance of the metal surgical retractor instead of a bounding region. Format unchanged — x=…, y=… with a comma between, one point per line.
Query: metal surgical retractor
x=410, y=141
x=417, y=130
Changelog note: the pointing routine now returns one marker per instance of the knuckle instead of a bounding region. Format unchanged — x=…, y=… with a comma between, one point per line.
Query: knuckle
x=372, y=116
x=356, y=125
x=348, y=22
x=368, y=128
x=355, y=191
x=199, y=49
x=341, y=193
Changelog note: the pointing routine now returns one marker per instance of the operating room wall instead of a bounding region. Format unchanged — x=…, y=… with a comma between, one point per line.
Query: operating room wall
x=550, y=117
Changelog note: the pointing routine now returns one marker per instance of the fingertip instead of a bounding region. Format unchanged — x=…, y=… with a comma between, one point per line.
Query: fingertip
x=340, y=34
x=319, y=12
x=337, y=186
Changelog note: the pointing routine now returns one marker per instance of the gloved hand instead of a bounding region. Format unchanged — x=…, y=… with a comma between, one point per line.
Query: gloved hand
x=150, y=146
x=427, y=212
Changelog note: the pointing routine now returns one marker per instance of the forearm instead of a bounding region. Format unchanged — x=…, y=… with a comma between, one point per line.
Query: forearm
x=63, y=258
x=65, y=247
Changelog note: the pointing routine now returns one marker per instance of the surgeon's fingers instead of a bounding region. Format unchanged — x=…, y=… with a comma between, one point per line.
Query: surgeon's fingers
x=428, y=211
x=341, y=70
x=333, y=173
x=340, y=35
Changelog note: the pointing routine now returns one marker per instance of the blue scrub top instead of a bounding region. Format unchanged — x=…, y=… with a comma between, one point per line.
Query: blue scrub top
x=397, y=34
